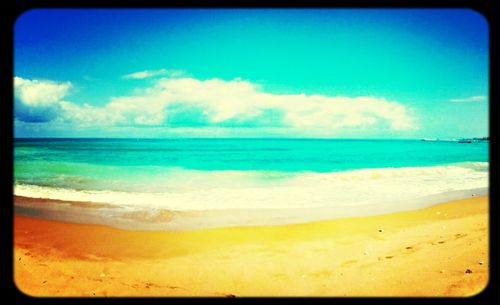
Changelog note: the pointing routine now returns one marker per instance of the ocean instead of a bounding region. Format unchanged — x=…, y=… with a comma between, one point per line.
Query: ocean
x=197, y=183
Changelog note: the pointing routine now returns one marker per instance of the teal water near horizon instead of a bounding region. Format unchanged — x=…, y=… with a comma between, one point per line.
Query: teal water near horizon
x=46, y=158
x=211, y=174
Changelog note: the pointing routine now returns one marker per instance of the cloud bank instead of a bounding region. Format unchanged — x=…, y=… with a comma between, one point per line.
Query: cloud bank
x=477, y=98
x=152, y=73
x=206, y=104
x=38, y=100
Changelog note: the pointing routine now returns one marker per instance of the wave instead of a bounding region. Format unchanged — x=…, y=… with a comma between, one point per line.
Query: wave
x=187, y=190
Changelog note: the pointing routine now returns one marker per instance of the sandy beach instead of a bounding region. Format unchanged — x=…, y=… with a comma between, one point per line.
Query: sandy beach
x=437, y=251
x=251, y=153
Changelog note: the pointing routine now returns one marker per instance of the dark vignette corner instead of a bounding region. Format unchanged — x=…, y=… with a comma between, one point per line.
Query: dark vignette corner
x=10, y=12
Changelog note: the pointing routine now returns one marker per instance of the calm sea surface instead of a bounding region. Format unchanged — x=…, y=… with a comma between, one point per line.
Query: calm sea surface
x=213, y=174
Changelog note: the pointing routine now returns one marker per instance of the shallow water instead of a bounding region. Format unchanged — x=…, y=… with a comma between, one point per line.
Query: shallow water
x=336, y=177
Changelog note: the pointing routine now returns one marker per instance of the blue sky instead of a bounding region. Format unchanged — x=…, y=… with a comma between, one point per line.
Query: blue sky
x=256, y=73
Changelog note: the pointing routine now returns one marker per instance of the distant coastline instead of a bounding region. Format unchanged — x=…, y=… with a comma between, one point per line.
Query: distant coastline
x=460, y=140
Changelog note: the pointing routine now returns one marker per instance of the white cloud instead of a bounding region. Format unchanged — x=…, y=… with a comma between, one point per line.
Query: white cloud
x=38, y=100
x=87, y=115
x=477, y=98
x=223, y=104
x=151, y=73
x=39, y=92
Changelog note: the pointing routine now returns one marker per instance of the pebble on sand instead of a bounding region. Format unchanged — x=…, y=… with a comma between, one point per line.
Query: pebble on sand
x=381, y=230
x=481, y=262
x=468, y=271
x=365, y=253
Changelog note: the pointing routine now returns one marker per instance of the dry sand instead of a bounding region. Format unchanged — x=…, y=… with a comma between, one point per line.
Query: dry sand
x=437, y=251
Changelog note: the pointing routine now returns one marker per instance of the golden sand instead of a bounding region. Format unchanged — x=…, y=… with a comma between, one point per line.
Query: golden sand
x=437, y=251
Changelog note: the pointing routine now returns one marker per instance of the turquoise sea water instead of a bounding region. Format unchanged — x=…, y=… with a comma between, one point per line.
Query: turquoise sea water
x=211, y=174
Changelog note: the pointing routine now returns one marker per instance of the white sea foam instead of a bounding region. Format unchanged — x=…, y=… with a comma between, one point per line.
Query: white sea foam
x=385, y=188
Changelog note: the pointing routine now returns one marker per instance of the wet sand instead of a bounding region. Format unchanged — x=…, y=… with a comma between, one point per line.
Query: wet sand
x=437, y=251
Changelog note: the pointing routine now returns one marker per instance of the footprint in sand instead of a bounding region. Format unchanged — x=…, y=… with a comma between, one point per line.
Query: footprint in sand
x=437, y=243
x=349, y=262
x=149, y=285
x=386, y=257
x=409, y=249
x=321, y=274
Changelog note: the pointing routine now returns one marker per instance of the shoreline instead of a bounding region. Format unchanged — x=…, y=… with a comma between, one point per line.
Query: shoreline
x=385, y=255
x=157, y=219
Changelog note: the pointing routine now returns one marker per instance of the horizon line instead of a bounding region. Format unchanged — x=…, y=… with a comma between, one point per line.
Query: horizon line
x=255, y=138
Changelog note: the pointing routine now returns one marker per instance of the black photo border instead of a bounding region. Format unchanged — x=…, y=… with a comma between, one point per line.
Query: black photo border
x=9, y=12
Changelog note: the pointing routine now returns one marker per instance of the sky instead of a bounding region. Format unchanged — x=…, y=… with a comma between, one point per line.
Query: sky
x=328, y=73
